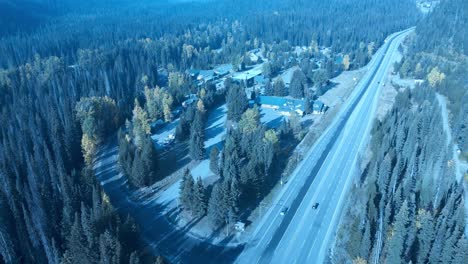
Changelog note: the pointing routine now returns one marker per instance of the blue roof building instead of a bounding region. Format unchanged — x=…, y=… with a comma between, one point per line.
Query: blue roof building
x=282, y=104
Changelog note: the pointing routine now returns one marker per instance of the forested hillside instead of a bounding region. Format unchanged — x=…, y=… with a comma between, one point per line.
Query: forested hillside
x=439, y=54
x=408, y=206
x=69, y=84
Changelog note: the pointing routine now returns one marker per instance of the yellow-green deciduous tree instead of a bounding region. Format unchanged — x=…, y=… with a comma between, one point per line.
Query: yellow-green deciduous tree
x=98, y=117
x=435, y=77
x=346, y=62
x=250, y=120
x=158, y=104
x=141, y=126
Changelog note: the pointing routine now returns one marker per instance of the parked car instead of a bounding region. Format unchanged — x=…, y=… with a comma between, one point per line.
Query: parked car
x=283, y=212
x=315, y=205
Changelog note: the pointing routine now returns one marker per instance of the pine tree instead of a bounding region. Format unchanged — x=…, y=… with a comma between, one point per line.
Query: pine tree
x=425, y=235
x=149, y=158
x=269, y=89
x=199, y=198
x=134, y=259
x=215, y=210
x=141, y=127
x=160, y=260
x=138, y=175
x=366, y=241
x=279, y=87
x=237, y=102
x=197, y=138
x=187, y=191
x=397, y=239
x=298, y=83
x=214, y=160
x=234, y=196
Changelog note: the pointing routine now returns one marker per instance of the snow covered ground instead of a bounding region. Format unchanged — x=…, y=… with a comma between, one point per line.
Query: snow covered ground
x=215, y=132
x=270, y=117
x=345, y=83
x=215, y=128
x=162, y=134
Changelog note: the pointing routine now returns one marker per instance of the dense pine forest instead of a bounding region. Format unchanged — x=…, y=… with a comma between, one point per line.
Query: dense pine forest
x=73, y=74
x=408, y=205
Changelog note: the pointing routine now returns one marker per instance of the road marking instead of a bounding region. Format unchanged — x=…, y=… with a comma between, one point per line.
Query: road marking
x=298, y=174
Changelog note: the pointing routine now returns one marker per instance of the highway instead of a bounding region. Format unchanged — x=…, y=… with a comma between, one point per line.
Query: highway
x=303, y=234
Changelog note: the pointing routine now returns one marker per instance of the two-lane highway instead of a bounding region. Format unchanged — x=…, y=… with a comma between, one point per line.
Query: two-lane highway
x=302, y=234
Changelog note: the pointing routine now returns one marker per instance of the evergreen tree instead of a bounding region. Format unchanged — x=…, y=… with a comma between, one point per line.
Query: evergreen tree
x=149, y=158
x=197, y=138
x=134, y=259
x=425, y=235
x=160, y=260
x=269, y=89
x=279, y=88
x=320, y=78
x=214, y=160
x=397, y=240
x=138, y=177
x=186, y=193
x=141, y=127
x=199, y=199
x=215, y=209
x=237, y=102
x=298, y=83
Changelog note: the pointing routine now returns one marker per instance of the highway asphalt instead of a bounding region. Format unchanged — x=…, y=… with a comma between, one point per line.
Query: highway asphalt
x=303, y=234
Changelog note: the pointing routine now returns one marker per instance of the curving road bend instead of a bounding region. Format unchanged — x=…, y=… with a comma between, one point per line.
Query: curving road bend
x=302, y=234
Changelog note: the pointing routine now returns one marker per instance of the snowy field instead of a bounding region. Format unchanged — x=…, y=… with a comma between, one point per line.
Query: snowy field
x=163, y=134
x=215, y=129
x=215, y=132
x=270, y=117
